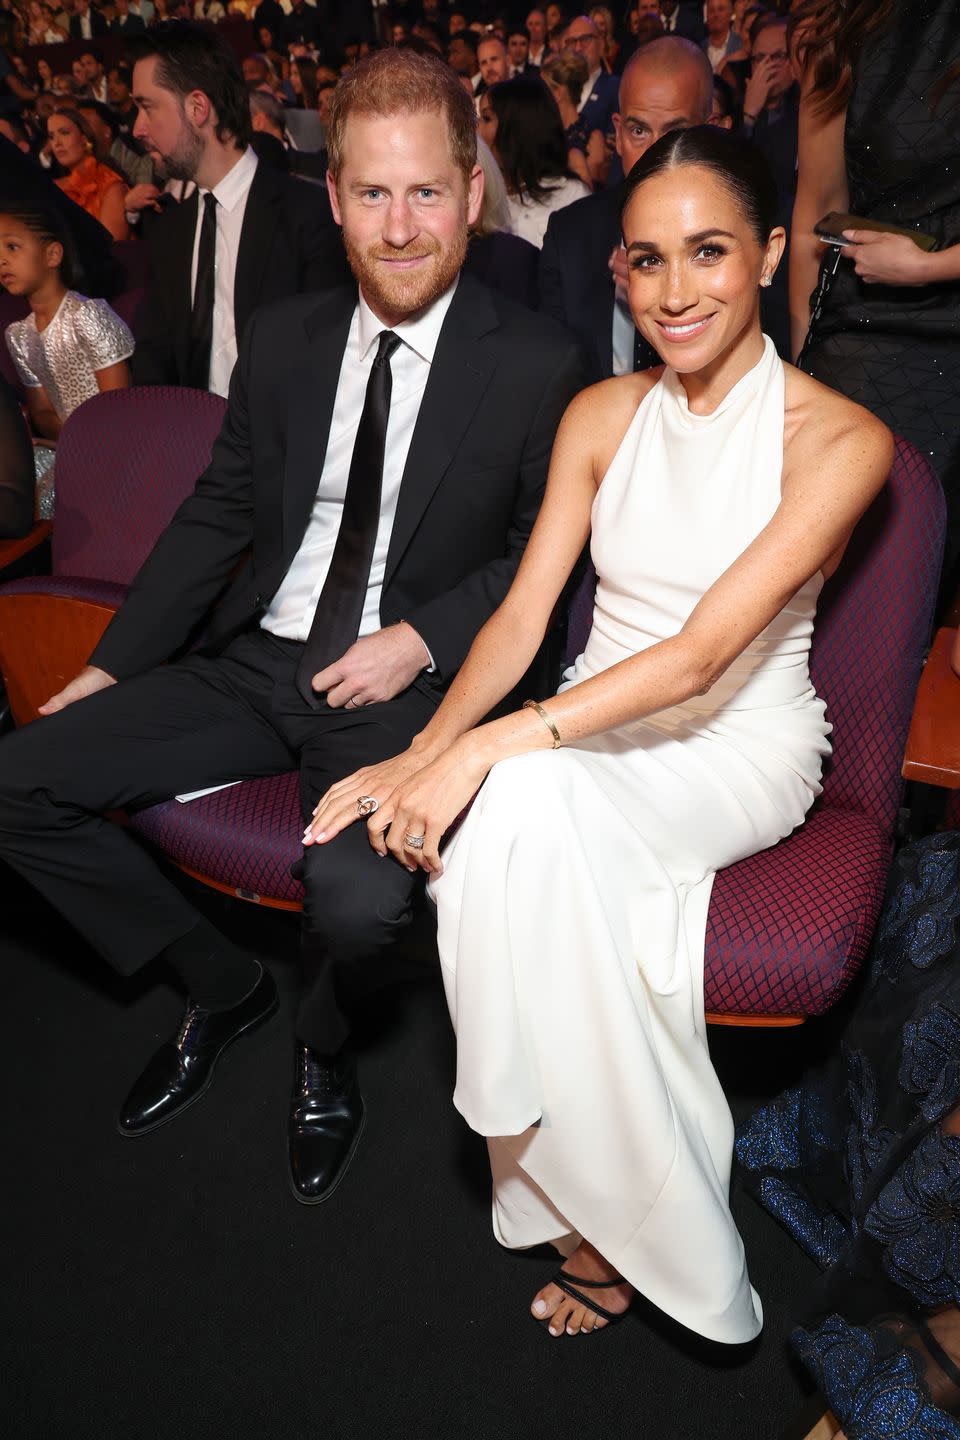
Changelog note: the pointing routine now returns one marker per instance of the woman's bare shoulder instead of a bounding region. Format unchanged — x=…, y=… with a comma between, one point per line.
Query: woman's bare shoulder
x=599, y=417
x=821, y=424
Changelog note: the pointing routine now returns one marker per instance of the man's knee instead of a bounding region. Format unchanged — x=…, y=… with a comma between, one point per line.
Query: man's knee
x=25, y=798
x=353, y=910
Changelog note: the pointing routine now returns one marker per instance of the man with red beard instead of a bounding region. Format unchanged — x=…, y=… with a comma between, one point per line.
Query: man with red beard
x=381, y=464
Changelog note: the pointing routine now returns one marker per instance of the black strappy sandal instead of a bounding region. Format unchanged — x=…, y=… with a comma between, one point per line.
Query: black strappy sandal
x=568, y=1283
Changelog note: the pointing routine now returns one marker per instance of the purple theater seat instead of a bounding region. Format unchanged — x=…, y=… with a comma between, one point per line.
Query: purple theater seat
x=134, y=256
x=242, y=840
x=12, y=308
x=125, y=461
x=787, y=928
x=128, y=305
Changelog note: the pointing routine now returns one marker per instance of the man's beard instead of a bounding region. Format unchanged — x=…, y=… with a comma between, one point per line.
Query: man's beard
x=184, y=159
x=405, y=292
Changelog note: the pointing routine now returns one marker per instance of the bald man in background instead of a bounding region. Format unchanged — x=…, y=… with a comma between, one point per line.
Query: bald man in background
x=667, y=85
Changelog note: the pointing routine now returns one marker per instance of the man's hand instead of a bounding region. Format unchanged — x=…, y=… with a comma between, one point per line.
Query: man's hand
x=141, y=197
x=618, y=269
x=376, y=667
x=88, y=682
x=881, y=259
x=757, y=90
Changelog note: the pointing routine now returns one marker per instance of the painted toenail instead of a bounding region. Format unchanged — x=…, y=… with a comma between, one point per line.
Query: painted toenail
x=572, y=1330
x=554, y=1332
x=539, y=1306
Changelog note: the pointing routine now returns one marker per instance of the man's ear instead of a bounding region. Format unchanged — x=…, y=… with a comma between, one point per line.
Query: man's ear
x=475, y=194
x=198, y=109
x=334, y=197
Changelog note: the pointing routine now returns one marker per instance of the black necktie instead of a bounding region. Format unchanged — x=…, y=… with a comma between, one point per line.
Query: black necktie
x=201, y=317
x=336, y=622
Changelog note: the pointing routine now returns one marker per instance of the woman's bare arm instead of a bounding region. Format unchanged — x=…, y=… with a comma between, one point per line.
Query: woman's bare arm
x=820, y=506
x=44, y=420
x=113, y=377
x=113, y=214
x=821, y=187
x=508, y=642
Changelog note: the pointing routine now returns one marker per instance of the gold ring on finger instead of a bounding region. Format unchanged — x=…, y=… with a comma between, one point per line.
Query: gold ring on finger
x=414, y=842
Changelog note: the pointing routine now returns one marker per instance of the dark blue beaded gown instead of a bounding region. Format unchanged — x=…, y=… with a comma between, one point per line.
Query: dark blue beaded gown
x=862, y=1166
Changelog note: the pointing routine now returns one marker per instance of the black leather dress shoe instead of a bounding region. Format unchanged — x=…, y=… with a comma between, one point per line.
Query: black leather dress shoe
x=182, y=1069
x=326, y=1120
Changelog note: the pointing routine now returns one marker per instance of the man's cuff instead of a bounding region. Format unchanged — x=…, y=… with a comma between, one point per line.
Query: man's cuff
x=430, y=666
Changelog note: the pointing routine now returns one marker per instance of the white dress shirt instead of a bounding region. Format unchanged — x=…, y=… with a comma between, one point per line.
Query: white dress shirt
x=231, y=195
x=290, y=613
x=624, y=335
x=587, y=90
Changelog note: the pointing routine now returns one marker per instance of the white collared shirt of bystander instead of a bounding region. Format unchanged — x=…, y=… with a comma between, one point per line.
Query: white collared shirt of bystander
x=231, y=194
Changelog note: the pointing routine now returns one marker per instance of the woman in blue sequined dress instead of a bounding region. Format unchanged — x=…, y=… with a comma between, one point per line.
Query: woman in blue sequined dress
x=861, y=1163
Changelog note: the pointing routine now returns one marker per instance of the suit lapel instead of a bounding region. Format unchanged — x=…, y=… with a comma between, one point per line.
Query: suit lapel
x=602, y=295
x=313, y=391
x=459, y=376
x=259, y=223
x=178, y=245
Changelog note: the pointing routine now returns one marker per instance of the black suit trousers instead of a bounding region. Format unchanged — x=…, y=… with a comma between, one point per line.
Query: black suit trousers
x=204, y=721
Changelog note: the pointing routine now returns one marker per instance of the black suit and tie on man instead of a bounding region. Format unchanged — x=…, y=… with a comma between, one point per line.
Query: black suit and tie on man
x=667, y=85
x=87, y=23
x=368, y=500
x=265, y=235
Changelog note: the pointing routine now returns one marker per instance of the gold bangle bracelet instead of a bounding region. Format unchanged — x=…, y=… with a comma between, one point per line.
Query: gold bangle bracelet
x=535, y=705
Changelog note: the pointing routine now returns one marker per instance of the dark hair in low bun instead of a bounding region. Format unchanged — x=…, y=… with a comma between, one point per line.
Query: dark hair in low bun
x=737, y=164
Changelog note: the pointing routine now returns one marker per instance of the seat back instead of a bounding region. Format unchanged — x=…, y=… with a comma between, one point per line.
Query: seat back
x=125, y=461
x=873, y=624
x=12, y=308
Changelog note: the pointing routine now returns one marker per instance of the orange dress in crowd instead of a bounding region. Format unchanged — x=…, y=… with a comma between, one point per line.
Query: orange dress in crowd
x=88, y=183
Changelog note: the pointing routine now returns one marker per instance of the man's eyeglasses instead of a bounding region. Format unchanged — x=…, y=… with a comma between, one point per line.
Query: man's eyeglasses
x=575, y=41
x=778, y=55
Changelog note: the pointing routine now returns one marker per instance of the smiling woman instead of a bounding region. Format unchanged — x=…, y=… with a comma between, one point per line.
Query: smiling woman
x=700, y=280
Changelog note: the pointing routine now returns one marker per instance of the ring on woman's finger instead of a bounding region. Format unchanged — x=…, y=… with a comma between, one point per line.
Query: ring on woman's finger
x=367, y=804
x=414, y=842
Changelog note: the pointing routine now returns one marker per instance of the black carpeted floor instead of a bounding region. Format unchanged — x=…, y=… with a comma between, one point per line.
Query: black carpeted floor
x=171, y=1287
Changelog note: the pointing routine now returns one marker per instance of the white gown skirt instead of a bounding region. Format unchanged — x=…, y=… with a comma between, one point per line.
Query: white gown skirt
x=572, y=913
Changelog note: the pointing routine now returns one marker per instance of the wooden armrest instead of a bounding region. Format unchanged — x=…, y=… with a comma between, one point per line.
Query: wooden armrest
x=45, y=640
x=933, y=745
x=12, y=550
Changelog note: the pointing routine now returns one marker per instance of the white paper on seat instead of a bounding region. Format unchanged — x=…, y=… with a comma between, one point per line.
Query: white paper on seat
x=211, y=790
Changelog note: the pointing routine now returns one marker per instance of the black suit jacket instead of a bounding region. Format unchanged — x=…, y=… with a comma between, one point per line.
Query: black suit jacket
x=471, y=488
x=98, y=25
x=576, y=286
x=289, y=244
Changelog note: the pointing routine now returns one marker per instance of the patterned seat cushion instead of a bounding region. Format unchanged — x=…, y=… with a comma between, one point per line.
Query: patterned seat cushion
x=246, y=837
x=788, y=928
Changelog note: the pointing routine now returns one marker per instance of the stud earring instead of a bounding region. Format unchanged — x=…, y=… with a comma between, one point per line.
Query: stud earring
x=766, y=280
